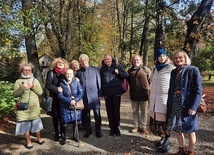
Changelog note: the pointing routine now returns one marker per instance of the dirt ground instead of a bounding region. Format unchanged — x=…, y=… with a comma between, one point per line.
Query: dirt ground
x=127, y=144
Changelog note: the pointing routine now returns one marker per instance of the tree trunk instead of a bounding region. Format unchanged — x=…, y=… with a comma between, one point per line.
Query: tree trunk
x=144, y=38
x=30, y=41
x=160, y=21
x=194, y=26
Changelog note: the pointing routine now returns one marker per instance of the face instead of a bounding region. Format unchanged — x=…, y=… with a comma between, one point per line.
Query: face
x=27, y=70
x=69, y=75
x=60, y=64
x=179, y=59
x=108, y=60
x=84, y=62
x=136, y=61
x=75, y=66
x=162, y=58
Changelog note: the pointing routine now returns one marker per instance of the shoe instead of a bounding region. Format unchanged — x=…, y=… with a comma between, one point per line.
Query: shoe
x=75, y=139
x=182, y=151
x=87, y=134
x=165, y=146
x=42, y=142
x=190, y=153
x=63, y=142
x=29, y=147
x=111, y=133
x=160, y=142
x=145, y=132
x=117, y=133
x=98, y=134
x=134, y=130
x=56, y=138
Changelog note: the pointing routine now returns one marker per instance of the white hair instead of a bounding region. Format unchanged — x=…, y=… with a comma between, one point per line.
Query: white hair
x=83, y=56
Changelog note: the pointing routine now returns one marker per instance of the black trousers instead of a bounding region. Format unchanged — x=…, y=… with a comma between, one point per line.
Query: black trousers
x=113, y=112
x=86, y=119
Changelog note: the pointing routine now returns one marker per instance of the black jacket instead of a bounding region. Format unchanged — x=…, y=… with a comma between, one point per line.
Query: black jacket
x=111, y=82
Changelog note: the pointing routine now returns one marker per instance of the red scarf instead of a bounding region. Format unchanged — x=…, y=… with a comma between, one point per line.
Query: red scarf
x=59, y=70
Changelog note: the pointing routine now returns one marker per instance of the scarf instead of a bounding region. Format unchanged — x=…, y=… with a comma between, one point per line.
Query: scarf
x=27, y=78
x=160, y=66
x=59, y=70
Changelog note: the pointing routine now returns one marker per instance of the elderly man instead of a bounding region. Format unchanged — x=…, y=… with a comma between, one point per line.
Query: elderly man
x=89, y=77
x=112, y=76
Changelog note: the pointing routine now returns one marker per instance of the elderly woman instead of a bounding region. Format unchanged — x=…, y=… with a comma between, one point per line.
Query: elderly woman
x=28, y=88
x=183, y=101
x=70, y=93
x=75, y=66
x=54, y=77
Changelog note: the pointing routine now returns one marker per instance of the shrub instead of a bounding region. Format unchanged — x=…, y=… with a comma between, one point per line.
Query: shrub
x=7, y=100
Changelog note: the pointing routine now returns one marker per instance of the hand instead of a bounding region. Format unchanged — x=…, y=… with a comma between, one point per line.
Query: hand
x=73, y=102
x=191, y=112
x=59, y=89
x=116, y=71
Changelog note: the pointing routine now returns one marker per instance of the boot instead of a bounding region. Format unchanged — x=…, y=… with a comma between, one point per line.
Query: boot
x=75, y=132
x=63, y=134
x=165, y=146
x=160, y=142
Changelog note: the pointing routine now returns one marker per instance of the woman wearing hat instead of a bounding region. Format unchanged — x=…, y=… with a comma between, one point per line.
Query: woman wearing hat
x=158, y=98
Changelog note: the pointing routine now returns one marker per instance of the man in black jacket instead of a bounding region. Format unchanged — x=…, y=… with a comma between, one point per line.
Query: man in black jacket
x=112, y=76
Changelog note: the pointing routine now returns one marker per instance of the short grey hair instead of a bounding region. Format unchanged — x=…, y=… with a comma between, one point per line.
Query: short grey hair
x=83, y=56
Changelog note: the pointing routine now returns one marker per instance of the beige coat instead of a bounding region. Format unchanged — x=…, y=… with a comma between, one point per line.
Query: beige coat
x=33, y=111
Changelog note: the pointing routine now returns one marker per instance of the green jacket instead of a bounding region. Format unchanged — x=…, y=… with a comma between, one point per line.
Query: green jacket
x=33, y=111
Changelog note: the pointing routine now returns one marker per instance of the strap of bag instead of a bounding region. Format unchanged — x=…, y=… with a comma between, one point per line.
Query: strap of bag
x=69, y=89
x=29, y=94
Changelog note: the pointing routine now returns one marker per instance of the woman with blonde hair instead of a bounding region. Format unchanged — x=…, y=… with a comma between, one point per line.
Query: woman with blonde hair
x=54, y=76
x=184, y=97
x=75, y=66
x=28, y=89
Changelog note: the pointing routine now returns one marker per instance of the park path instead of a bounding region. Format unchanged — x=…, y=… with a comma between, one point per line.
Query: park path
x=127, y=144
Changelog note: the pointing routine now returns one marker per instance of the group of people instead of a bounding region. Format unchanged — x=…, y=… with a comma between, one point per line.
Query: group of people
x=166, y=90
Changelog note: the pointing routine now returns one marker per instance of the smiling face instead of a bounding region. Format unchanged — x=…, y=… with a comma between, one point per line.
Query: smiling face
x=60, y=64
x=179, y=59
x=107, y=60
x=69, y=75
x=162, y=58
x=136, y=61
x=27, y=70
x=84, y=62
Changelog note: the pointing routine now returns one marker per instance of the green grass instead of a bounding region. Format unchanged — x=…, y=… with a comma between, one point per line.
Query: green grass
x=207, y=82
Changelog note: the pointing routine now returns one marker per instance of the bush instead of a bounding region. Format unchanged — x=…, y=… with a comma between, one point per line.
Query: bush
x=7, y=100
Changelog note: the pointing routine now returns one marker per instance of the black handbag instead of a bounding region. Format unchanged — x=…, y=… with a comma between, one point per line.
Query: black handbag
x=23, y=106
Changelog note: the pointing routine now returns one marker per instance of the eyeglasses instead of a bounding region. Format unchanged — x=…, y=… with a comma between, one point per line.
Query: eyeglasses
x=27, y=70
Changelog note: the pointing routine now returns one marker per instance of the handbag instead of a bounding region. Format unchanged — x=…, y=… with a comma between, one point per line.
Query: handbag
x=78, y=105
x=125, y=85
x=46, y=103
x=23, y=106
x=202, y=108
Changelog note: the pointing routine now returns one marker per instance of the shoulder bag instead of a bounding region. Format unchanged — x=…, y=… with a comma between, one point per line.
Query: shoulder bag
x=78, y=105
x=202, y=108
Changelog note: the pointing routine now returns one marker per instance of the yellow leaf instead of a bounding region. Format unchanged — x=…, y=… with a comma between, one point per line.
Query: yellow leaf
x=195, y=22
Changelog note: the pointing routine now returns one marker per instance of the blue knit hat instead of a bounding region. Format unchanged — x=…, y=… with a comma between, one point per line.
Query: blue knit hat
x=159, y=52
